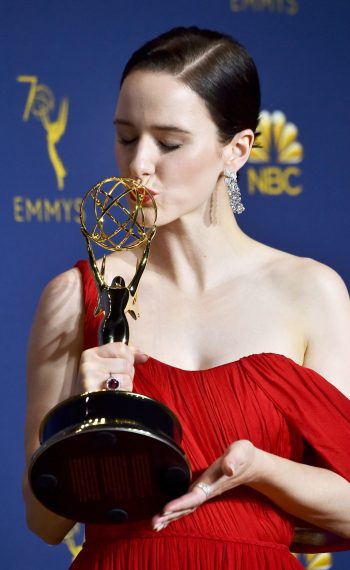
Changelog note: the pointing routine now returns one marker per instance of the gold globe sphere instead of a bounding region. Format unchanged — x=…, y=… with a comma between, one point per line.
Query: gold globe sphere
x=112, y=214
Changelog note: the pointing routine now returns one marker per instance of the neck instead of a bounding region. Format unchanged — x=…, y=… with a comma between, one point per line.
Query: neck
x=196, y=252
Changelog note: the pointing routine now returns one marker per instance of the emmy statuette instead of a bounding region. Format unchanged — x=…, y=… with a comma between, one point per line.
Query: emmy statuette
x=111, y=456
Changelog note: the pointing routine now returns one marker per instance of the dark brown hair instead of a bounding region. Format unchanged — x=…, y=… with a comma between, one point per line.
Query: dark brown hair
x=213, y=65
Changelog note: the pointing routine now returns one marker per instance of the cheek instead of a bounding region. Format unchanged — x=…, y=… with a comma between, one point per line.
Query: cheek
x=200, y=164
x=200, y=174
x=123, y=156
x=119, y=154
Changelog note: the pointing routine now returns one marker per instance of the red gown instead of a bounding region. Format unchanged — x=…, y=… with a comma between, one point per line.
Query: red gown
x=265, y=398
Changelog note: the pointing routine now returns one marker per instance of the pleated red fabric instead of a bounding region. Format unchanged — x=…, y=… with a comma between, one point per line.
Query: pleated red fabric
x=265, y=398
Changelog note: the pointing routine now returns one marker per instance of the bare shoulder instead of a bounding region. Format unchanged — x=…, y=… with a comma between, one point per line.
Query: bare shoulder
x=64, y=292
x=323, y=295
x=313, y=288
x=316, y=282
x=57, y=325
x=327, y=320
x=311, y=279
x=316, y=298
x=322, y=302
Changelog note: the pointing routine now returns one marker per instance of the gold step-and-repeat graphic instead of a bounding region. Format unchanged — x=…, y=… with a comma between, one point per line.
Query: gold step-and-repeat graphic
x=40, y=105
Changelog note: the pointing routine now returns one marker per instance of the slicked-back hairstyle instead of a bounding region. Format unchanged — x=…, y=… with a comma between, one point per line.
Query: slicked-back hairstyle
x=213, y=65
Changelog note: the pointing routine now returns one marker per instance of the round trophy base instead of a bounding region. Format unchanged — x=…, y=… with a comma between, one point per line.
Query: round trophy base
x=109, y=474
x=108, y=470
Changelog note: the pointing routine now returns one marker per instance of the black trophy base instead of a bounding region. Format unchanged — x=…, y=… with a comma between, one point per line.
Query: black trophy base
x=108, y=474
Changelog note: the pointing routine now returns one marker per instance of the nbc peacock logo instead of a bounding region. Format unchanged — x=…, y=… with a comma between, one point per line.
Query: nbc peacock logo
x=275, y=171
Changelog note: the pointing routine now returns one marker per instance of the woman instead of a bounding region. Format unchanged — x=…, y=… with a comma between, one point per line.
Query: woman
x=235, y=336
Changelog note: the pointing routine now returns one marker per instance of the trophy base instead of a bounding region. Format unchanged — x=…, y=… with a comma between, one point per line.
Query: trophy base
x=108, y=473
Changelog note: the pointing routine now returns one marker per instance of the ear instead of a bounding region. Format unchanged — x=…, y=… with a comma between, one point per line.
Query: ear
x=237, y=151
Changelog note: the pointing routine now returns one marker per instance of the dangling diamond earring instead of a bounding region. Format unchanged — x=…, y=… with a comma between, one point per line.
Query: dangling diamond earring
x=234, y=193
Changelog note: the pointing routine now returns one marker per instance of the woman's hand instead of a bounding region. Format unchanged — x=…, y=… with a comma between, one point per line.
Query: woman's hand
x=115, y=359
x=238, y=466
x=313, y=494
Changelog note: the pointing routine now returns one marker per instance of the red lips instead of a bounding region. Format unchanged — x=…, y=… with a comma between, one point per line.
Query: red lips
x=140, y=196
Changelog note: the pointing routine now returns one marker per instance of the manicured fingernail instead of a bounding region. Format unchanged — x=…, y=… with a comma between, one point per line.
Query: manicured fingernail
x=166, y=513
x=158, y=527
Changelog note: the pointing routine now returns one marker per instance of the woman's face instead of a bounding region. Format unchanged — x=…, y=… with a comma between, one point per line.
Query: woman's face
x=166, y=137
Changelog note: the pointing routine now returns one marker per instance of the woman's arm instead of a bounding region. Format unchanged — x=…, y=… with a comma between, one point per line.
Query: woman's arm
x=316, y=495
x=59, y=368
x=313, y=494
x=54, y=352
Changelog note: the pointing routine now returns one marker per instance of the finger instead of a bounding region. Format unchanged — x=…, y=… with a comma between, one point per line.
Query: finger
x=161, y=520
x=134, y=354
x=140, y=357
x=194, y=498
x=206, y=487
x=237, y=457
x=121, y=350
x=100, y=367
x=228, y=466
x=116, y=365
x=92, y=377
x=123, y=383
x=194, y=495
x=116, y=350
x=110, y=350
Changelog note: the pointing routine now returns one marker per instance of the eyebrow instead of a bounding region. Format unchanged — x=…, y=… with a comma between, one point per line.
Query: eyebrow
x=155, y=127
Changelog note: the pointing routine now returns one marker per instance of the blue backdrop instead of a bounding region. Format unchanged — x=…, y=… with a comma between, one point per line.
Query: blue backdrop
x=61, y=63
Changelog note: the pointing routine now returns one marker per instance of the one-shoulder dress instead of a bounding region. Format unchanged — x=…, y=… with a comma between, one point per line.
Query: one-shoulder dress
x=266, y=398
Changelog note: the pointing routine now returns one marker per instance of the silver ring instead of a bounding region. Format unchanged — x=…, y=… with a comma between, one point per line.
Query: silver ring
x=112, y=383
x=205, y=487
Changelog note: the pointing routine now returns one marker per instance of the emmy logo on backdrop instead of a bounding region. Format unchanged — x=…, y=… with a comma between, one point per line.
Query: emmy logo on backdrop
x=40, y=103
x=112, y=456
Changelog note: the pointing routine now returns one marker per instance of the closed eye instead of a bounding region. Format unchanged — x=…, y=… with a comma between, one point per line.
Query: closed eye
x=126, y=141
x=169, y=147
x=164, y=146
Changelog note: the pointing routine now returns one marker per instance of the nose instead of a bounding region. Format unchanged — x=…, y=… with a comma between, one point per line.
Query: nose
x=143, y=160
